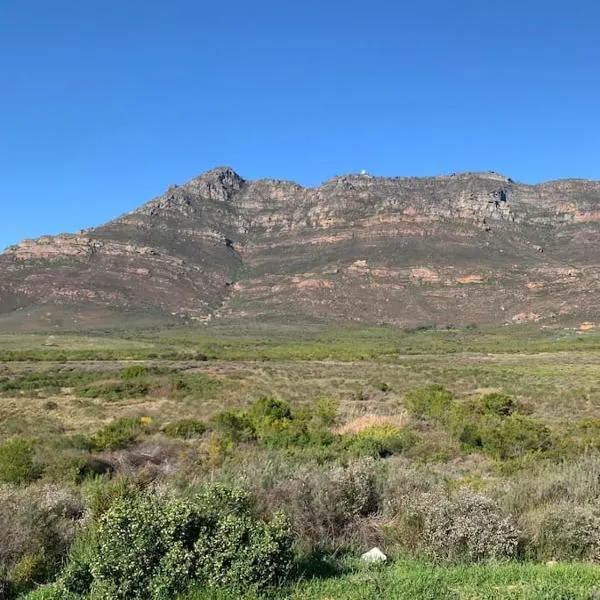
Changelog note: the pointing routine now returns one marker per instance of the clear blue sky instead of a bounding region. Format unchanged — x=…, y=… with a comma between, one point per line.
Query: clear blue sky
x=105, y=104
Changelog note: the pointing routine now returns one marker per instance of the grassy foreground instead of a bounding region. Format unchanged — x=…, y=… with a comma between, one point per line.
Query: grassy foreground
x=415, y=581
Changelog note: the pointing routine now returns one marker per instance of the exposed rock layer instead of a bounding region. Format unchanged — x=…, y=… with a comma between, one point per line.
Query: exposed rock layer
x=471, y=247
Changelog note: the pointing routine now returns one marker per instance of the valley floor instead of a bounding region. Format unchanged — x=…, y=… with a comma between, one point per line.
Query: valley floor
x=474, y=450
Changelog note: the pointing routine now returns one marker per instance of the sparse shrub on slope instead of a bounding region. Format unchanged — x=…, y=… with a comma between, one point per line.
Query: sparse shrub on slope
x=134, y=372
x=327, y=507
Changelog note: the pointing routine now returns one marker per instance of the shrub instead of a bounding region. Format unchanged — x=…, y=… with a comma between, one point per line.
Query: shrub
x=152, y=548
x=185, y=428
x=431, y=402
x=327, y=507
x=468, y=527
x=498, y=404
x=235, y=425
x=266, y=411
x=564, y=531
x=17, y=462
x=516, y=435
x=380, y=440
x=116, y=390
x=120, y=434
x=54, y=591
x=326, y=412
x=134, y=372
x=101, y=495
x=30, y=570
x=503, y=437
x=37, y=525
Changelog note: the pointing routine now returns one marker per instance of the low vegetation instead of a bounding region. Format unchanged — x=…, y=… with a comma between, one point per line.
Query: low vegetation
x=478, y=475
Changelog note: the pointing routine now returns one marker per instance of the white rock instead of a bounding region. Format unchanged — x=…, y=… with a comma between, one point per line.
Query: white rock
x=373, y=556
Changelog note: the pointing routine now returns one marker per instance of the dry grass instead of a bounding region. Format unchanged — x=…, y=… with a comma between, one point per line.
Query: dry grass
x=367, y=421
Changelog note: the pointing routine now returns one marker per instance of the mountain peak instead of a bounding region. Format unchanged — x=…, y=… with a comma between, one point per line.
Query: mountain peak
x=220, y=183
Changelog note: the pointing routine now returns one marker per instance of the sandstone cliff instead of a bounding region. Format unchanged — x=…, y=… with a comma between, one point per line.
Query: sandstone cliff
x=468, y=247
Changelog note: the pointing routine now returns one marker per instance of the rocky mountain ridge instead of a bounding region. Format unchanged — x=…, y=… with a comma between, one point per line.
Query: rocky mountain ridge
x=461, y=248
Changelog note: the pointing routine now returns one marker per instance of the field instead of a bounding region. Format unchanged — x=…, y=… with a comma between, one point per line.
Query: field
x=469, y=455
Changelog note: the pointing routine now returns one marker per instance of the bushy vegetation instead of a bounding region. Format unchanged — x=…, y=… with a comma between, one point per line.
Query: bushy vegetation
x=149, y=546
x=155, y=479
x=17, y=462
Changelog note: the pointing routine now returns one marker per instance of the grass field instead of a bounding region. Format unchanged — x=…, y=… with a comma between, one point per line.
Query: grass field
x=416, y=581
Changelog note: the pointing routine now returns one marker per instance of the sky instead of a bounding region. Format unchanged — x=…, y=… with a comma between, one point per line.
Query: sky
x=103, y=105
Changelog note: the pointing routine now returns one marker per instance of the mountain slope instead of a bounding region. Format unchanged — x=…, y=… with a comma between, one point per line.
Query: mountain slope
x=471, y=247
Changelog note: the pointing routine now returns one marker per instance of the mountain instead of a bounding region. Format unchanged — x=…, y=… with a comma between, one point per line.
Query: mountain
x=463, y=248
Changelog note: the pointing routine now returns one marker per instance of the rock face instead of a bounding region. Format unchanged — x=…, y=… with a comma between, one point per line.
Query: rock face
x=463, y=248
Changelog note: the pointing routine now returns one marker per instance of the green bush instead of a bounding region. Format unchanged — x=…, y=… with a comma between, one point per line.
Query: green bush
x=185, y=428
x=515, y=436
x=134, y=372
x=326, y=412
x=119, y=434
x=503, y=437
x=54, y=591
x=31, y=569
x=266, y=411
x=17, y=463
x=101, y=494
x=431, y=402
x=380, y=441
x=116, y=390
x=153, y=548
x=236, y=426
x=498, y=404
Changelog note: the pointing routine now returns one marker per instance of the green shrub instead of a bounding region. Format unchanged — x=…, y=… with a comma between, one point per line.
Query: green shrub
x=30, y=570
x=515, y=436
x=503, y=437
x=153, y=548
x=498, y=404
x=380, y=441
x=116, y=390
x=185, y=428
x=432, y=402
x=54, y=591
x=326, y=412
x=268, y=410
x=17, y=462
x=102, y=494
x=119, y=434
x=235, y=425
x=134, y=372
